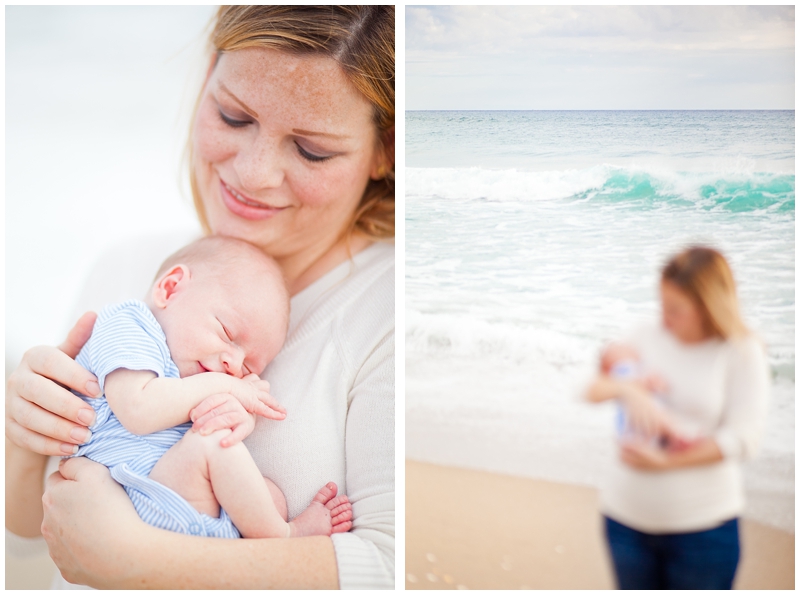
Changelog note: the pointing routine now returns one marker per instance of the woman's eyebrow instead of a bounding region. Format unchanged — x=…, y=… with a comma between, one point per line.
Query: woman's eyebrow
x=250, y=111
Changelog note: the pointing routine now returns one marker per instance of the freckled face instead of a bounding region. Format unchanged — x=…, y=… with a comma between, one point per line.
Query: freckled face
x=680, y=315
x=284, y=148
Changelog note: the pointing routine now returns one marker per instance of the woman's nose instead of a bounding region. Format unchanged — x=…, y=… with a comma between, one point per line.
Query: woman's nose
x=260, y=165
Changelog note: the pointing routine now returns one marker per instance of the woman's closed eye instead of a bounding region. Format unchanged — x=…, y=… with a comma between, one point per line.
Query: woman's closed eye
x=233, y=122
x=310, y=156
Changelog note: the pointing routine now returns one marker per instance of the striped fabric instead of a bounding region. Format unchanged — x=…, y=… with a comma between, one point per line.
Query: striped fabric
x=127, y=335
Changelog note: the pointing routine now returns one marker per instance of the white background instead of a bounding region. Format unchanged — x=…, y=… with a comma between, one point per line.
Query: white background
x=98, y=103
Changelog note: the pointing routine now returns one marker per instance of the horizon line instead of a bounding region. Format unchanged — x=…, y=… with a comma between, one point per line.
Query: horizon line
x=747, y=109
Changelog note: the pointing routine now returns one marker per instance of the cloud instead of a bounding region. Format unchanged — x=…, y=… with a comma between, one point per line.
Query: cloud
x=600, y=57
x=471, y=30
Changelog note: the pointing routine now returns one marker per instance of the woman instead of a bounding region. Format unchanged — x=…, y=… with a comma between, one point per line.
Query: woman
x=671, y=509
x=291, y=149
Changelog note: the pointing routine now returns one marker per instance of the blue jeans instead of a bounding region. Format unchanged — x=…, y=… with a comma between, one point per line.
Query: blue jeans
x=699, y=560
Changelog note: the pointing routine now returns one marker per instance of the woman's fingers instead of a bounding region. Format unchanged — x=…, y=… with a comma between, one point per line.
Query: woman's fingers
x=78, y=335
x=38, y=443
x=70, y=469
x=53, y=398
x=43, y=422
x=56, y=365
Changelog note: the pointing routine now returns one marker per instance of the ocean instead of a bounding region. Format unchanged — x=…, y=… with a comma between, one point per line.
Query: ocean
x=532, y=238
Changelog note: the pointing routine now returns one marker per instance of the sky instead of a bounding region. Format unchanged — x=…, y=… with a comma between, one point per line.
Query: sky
x=599, y=57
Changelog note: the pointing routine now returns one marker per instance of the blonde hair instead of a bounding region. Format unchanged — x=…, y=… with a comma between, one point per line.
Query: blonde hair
x=361, y=40
x=704, y=275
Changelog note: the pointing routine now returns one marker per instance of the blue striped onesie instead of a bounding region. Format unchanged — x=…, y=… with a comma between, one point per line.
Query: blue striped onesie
x=127, y=335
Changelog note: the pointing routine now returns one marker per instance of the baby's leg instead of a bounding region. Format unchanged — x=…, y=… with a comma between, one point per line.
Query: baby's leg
x=207, y=476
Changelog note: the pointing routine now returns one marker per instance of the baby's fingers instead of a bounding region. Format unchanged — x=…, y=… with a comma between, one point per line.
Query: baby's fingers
x=219, y=421
x=209, y=404
x=268, y=412
x=238, y=434
x=267, y=399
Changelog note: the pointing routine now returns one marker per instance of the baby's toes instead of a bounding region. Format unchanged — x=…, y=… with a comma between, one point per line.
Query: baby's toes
x=340, y=509
x=342, y=517
x=326, y=493
x=342, y=527
x=338, y=501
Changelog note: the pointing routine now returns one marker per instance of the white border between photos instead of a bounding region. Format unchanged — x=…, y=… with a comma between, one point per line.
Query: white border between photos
x=400, y=299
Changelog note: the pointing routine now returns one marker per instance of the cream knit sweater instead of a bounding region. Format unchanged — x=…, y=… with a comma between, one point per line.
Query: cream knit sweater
x=335, y=376
x=718, y=389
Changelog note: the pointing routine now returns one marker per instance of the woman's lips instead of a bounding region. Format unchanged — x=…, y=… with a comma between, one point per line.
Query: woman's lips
x=243, y=207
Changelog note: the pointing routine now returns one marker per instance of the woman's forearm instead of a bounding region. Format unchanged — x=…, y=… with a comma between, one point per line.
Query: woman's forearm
x=216, y=563
x=702, y=452
x=24, y=488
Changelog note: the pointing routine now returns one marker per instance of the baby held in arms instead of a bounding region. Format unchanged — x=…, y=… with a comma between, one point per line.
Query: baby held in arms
x=216, y=315
x=622, y=362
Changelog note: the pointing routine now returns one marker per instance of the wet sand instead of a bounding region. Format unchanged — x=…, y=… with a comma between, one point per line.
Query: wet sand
x=479, y=530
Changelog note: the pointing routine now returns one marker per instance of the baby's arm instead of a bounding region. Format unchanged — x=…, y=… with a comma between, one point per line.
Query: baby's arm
x=146, y=403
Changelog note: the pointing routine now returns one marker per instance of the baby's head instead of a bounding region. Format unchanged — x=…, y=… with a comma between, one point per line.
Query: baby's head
x=616, y=353
x=223, y=306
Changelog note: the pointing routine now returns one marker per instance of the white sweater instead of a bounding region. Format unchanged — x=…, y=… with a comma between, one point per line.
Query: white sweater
x=335, y=376
x=718, y=389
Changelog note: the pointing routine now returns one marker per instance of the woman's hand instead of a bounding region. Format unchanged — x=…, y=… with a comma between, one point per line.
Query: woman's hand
x=702, y=451
x=642, y=456
x=88, y=522
x=42, y=416
x=222, y=411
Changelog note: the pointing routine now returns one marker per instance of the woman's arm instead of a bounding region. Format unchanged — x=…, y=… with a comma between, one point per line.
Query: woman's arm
x=746, y=400
x=96, y=538
x=644, y=414
x=366, y=554
x=645, y=457
x=43, y=418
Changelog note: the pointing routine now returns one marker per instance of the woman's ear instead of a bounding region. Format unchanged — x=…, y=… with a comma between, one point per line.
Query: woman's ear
x=384, y=157
x=170, y=283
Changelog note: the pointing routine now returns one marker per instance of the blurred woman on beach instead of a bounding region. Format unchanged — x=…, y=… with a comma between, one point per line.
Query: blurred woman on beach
x=673, y=499
x=291, y=149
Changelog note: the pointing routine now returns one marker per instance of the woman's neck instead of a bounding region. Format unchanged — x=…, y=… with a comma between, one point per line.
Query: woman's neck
x=301, y=270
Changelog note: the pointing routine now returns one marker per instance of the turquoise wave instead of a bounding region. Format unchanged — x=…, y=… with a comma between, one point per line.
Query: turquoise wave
x=774, y=192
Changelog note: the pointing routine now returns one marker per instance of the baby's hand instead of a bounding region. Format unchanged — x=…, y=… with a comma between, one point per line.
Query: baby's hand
x=223, y=411
x=253, y=394
x=655, y=384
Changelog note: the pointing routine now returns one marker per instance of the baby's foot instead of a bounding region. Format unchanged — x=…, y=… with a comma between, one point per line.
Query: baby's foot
x=316, y=519
x=341, y=514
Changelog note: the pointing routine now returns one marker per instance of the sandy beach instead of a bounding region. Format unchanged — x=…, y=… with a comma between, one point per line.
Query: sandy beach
x=478, y=530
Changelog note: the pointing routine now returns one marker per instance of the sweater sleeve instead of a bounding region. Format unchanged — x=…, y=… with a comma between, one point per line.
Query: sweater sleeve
x=746, y=400
x=365, y=555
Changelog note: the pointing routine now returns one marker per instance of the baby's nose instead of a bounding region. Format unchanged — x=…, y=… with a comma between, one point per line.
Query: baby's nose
x=233, y=362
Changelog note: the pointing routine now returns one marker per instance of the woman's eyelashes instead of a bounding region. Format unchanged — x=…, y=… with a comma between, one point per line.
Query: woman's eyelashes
x=309, y=156
x=232, y=122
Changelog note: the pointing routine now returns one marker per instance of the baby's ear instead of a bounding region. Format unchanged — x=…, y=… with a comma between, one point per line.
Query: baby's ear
x=169, y=283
